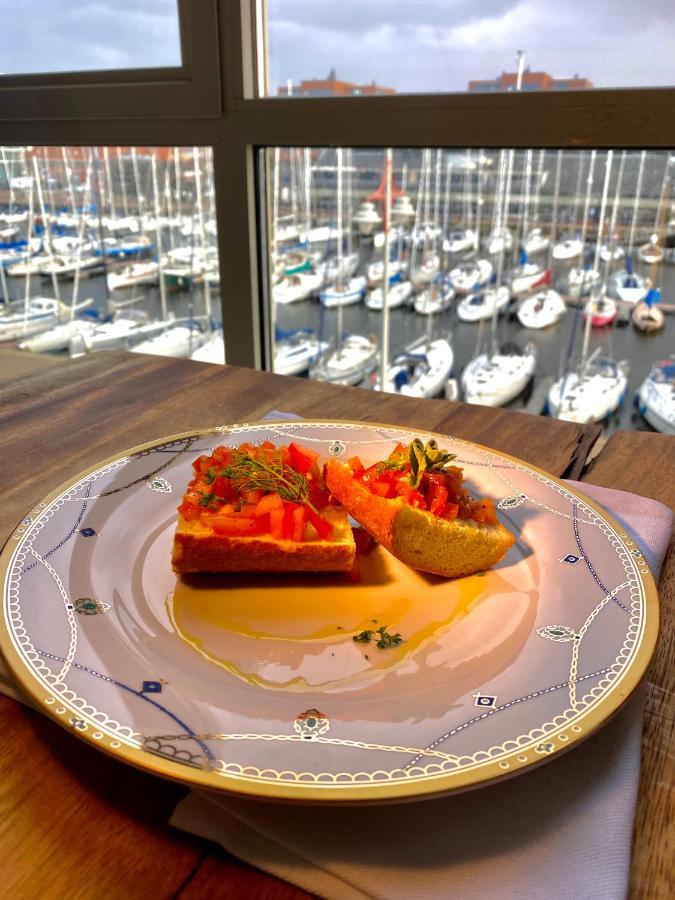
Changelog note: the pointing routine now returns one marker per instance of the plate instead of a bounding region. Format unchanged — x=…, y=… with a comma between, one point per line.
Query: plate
x=253, y=684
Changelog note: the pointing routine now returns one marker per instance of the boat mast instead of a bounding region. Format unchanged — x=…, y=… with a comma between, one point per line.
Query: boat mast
x=137, y=184
x=158, y=232
x=554, y=212
x=636, y=203
x=479, y=198
x=526, y=198
x=308, y=191
x=596, y=259
x=69, y=180
x=50, y=193
x=8, y=177
x=108, y=178
x=662, y=193
x=446, y=200
x=615, y=212
x=384, y=349
x=80, y=239
x=179, y=186
x=123, y=184
x=48, y=241
x=537, y=187
x=502, y=215
x=404, y=184
x=338, y=280
x=31, y=206
x=418, y=212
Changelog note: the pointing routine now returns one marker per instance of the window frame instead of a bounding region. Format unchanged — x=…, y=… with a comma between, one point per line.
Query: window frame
x=190, y=89
x=218, y=106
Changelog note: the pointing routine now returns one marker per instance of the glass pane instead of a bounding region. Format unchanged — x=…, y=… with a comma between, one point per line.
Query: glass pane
x=79, y=36
x=109, y=248
x=527, y=278
x=325, y=49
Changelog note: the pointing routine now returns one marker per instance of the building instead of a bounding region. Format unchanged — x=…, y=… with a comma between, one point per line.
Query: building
x=532, y=81
x=331, y=87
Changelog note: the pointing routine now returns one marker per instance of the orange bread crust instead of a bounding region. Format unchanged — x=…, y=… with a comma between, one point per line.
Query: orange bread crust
x=418, y=538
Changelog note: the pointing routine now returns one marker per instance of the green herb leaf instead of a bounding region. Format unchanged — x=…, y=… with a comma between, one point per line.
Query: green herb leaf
x=388, y=640
x=210, y=475
x=207, y=499
x=426, y=458
x=363, y=638
x=248, y=474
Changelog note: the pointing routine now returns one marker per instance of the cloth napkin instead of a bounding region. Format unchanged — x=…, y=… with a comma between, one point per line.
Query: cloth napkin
x=563, y=830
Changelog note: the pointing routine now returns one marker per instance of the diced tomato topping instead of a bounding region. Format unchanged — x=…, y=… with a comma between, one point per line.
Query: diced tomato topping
x=451, y=510
x=301, y=458
x=267, y=504
x=383, y=488
x=356, y=466
x=323, y=528
x=222, y=487
x=299, y=515
x=201, y=464
x=277, y=522
x=288, y=519
x=239, y=526
x=253, y=497
x=189, y=511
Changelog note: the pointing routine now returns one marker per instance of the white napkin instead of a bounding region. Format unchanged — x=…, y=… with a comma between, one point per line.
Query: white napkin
x=563, y=830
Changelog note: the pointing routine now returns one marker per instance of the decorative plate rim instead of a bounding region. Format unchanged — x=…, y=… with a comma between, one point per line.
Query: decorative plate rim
x=481, y=774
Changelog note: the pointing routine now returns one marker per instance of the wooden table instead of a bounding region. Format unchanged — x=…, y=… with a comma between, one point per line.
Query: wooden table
x=74, y=822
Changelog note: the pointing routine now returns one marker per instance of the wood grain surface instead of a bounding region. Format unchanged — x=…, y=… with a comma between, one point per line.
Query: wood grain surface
x=76, y=823
x=644, y=463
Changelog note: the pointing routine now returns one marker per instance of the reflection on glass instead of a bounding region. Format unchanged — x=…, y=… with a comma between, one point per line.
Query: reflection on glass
x=109, y=247
x=79, y=36
x=515, y=277
x=446, y=46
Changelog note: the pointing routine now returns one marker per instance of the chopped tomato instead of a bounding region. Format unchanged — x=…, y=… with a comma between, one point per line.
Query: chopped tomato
x=267, y=504
x=201, y=464
x=299, y=515
x=323, y=528
x=222, y=487
x=383, y=488
x=356, y=466
x=301, y=458
x=277, y=522
x=451, y=510
x=239, y=526
x=253, y=497
x=288, y=519
x=189, y=511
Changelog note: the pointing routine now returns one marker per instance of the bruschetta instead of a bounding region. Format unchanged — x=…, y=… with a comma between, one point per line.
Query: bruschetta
x=414, y=504
x=260, y=509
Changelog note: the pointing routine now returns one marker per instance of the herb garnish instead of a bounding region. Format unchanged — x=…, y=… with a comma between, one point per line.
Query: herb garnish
x=385, y=640
x=426, y=458
x=210, y=475
x=248, y=474
x=363, y=638
x=206, y=499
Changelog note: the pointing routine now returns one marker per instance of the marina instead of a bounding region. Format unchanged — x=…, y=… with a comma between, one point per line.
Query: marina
x=468, y=267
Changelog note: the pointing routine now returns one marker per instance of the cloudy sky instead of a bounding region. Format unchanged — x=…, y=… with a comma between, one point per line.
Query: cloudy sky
x=410, y=45
x=439, y=45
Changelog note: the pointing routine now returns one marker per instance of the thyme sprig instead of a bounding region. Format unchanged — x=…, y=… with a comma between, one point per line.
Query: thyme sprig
x=249, y=474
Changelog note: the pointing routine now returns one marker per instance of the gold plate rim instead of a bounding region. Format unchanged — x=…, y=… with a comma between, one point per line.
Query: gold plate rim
x=482, y=774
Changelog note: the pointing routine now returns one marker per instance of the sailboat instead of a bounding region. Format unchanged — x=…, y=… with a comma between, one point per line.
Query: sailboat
x=354, y=356
x=464, y=240
x=646, y=315
x=626, y=284
x=527, y=275
x=651, y=252
x=39, y=314
x=545, y=308
x=399, y=294
x=495, y=377
x=598, y=386
x=428, y=232
x=656, y=397
x=133, y=275
x=581, y=278
x=534, y=240
x=483, y=304
x=436, y=298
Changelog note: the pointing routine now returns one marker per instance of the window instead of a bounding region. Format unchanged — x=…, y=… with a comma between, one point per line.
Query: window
x=324, y=49
x=110, y=248
x=74, y=35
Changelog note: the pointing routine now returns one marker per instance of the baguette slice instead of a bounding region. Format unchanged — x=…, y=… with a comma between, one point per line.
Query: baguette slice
x=197, y=549
x=416, y=537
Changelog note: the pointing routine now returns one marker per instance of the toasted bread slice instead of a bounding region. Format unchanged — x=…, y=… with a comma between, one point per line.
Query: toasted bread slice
x=196, y=548
x=416, y=537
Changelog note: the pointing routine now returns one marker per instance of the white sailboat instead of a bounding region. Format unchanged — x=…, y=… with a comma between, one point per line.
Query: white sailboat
x=39, y=314
x=375, y=272
x=296, y=351
x=212, y=350
x=297, y=287
x=482, y=305
x=590, y=394
x=133, y=275
x=471, y=276
x=651, y=252
x=463, y=240
x=492, y=380
x=399, y=294
x=435, y=299
x=597, y=387
x=567, y=249
x=656, y=397
x=543, y=309
x=527, y=276
x=344, y=293
x=421, y=370
x=179, y=339
x=495, y=377
x=581, y=279
x=354, y=356
x=59, y=336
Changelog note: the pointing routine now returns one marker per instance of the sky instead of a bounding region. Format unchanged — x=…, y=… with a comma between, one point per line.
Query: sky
x=439, y=45
x=410, y=45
